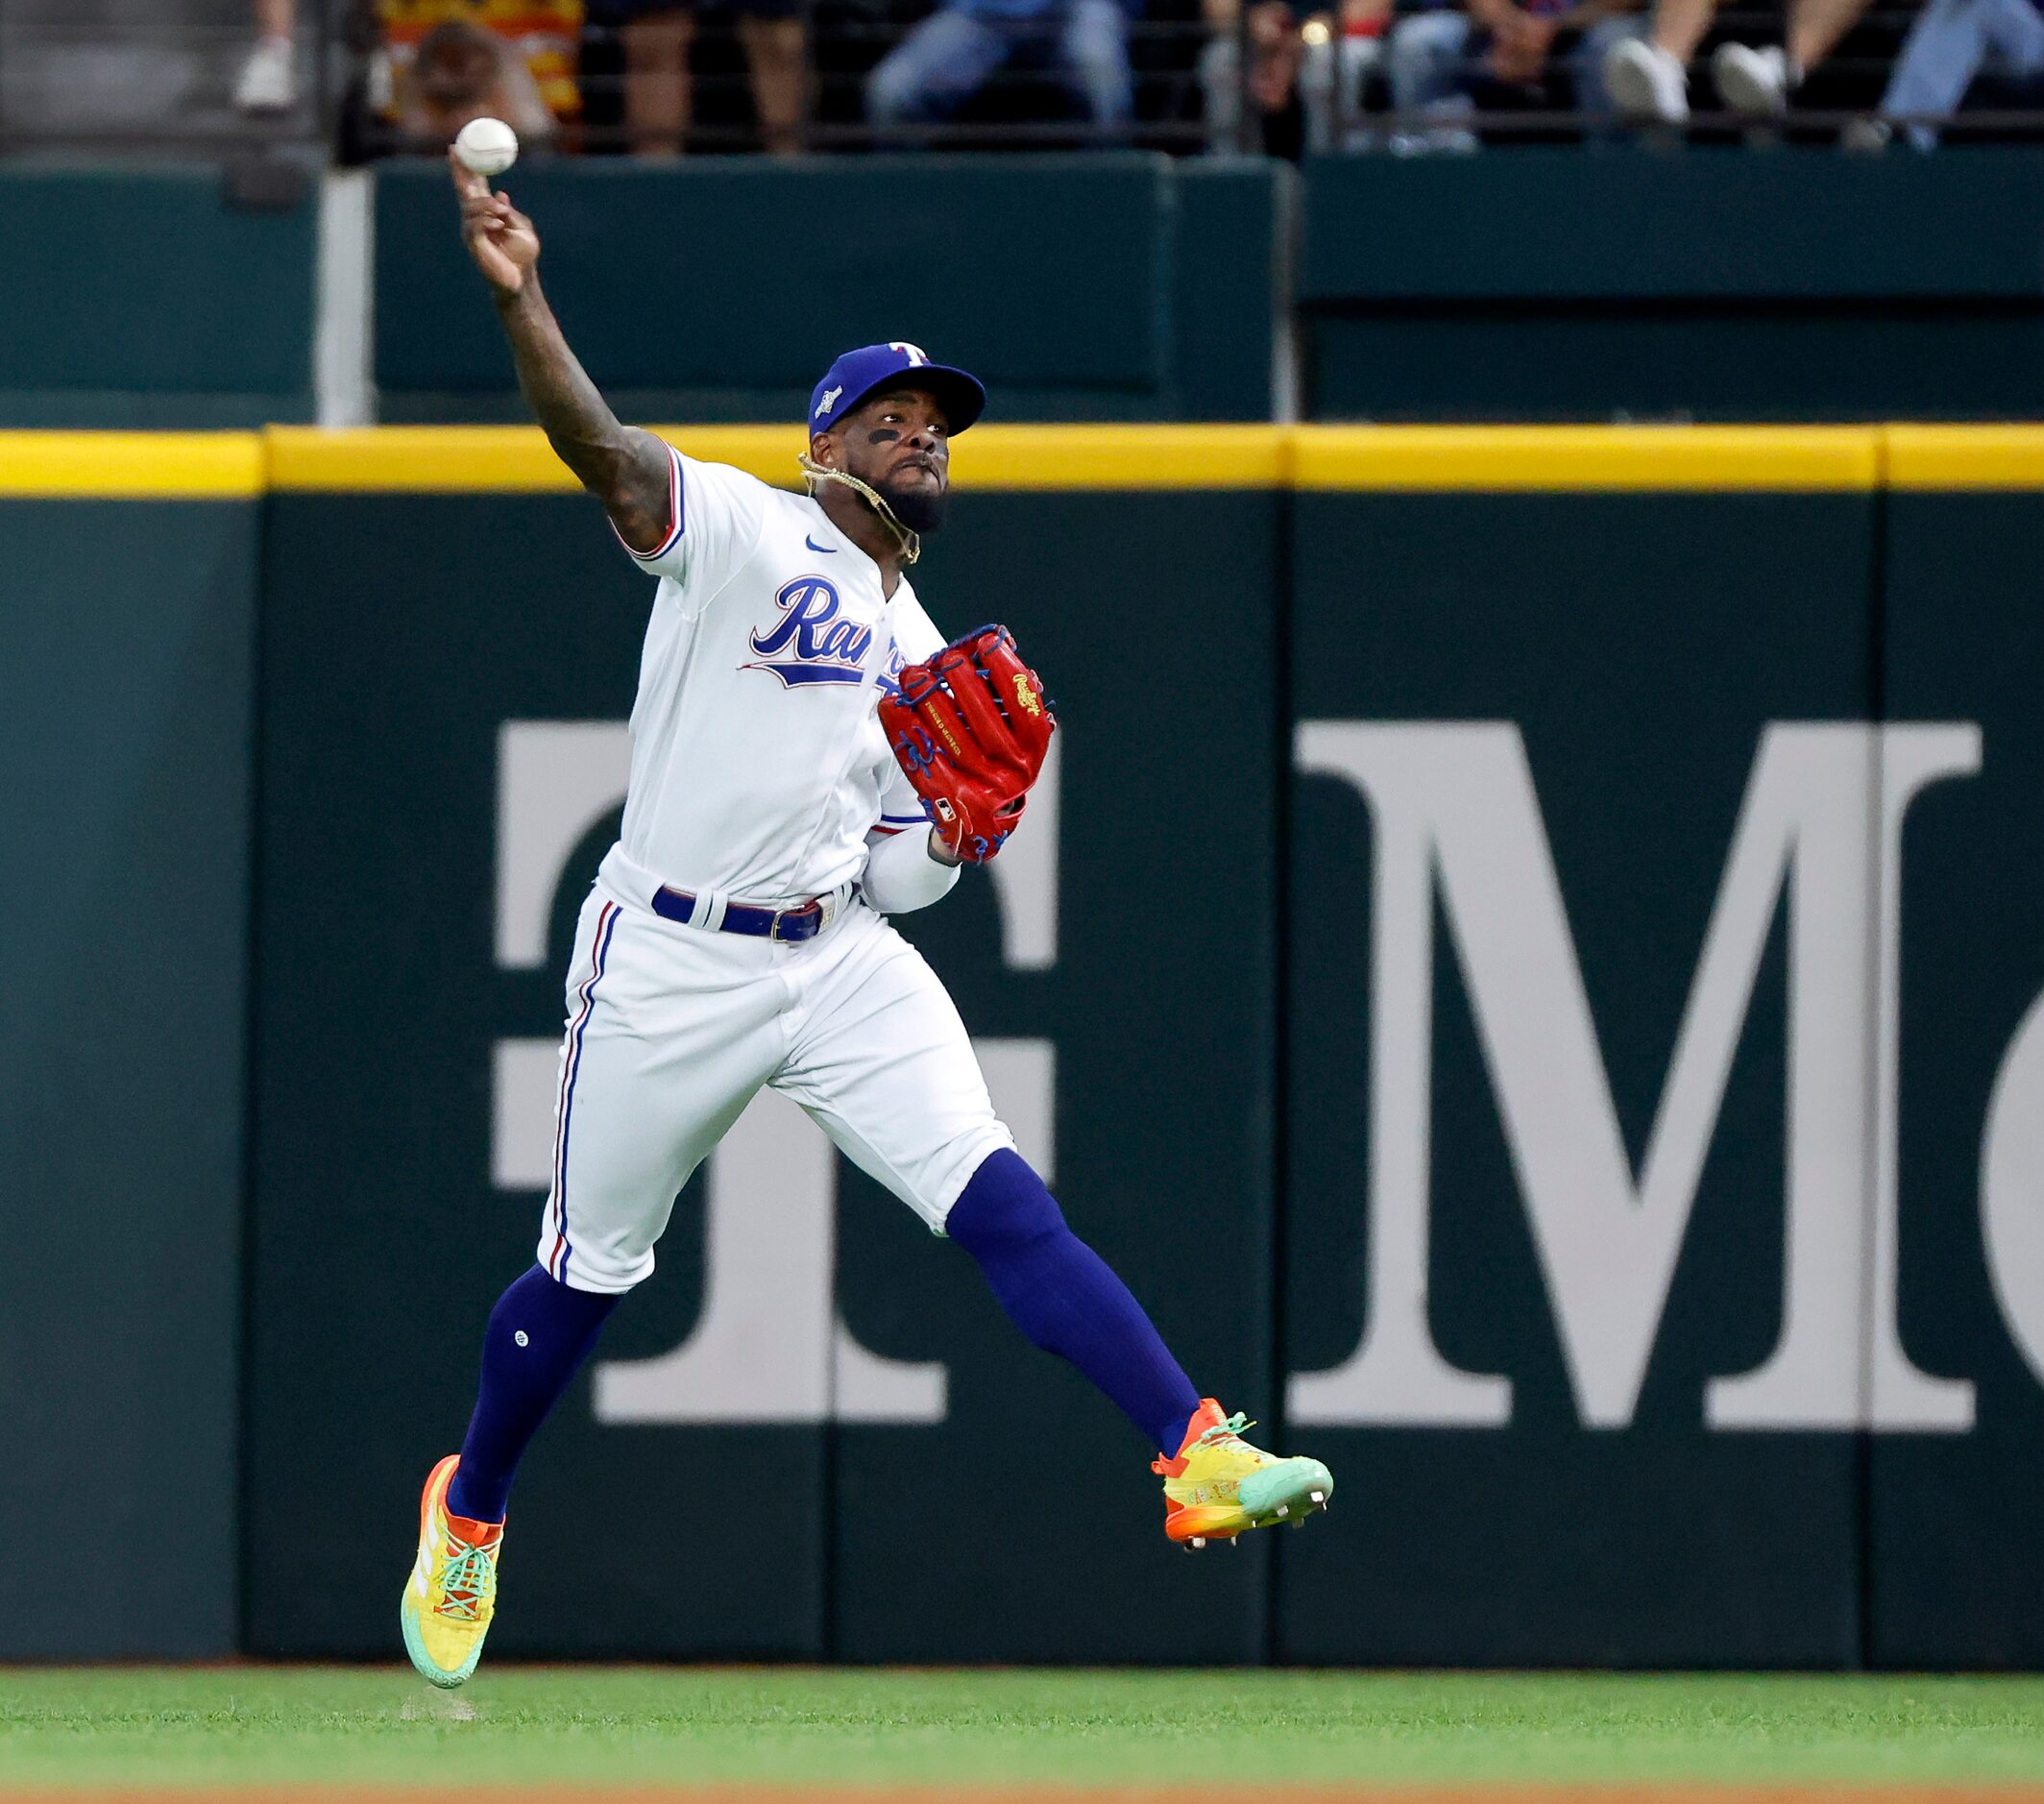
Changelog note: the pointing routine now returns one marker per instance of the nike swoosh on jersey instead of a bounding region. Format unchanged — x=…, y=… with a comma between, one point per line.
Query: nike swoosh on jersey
x=815, y=546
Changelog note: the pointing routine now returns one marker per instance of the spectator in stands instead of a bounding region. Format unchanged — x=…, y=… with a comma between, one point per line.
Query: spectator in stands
x=460, y=73
x=1648, y=77
x=1950, y=44
x=545, y=35
x=951, y=54
x=1288, y=57
x=1438, y=59
x=268, y=81
x=658, y=36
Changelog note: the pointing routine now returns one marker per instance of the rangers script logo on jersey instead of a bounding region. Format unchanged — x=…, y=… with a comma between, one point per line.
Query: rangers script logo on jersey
x=810, y=643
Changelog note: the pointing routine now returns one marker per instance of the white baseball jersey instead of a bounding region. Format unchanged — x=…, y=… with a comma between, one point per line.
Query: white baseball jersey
x=759, y=767
x=759, y=773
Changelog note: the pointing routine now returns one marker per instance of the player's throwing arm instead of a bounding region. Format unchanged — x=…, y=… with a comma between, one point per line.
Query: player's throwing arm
x=624, y=468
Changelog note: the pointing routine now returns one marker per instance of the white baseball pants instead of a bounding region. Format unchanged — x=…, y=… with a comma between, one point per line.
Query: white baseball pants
x=673, y=1030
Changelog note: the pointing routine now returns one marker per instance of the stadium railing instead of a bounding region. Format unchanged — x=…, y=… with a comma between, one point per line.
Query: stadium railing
x=159, y=76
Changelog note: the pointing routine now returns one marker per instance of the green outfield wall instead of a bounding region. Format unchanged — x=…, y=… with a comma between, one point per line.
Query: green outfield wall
x=1552, y=283
x=1527, y=957
x=1963, y=639
x=413, y=641
x=127, y=697
x=1573, y=285
x=155, y=297
x=1079, y=286
x=1595, y=672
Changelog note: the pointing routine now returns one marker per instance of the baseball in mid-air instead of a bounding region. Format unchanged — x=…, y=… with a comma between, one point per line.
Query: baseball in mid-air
x=487, y=146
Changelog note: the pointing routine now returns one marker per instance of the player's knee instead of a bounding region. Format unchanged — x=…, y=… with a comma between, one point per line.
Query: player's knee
x=1004, y=1205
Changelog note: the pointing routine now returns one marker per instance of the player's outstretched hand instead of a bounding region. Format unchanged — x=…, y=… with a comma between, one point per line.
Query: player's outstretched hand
x=501, y=239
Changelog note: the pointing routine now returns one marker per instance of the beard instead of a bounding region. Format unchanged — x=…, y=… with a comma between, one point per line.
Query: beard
x=919, y=509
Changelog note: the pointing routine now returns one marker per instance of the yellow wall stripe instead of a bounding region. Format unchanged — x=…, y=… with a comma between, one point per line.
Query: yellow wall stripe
x=124, y=466
x=440, y=459
x=1138, y=457
x=1127, y=458
x=1432, y=458
x=1965, y=457
x=1156, y=457
x=500, y=459
x=1132, y=457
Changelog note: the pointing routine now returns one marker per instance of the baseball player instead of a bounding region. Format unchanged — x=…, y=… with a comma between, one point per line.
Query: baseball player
x=809, y=757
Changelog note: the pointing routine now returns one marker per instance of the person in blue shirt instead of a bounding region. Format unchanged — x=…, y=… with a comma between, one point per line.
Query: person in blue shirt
x=950, y=55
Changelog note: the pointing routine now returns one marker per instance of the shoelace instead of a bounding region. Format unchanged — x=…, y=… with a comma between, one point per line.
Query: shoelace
x=1227, y=1430
x=468, y=1583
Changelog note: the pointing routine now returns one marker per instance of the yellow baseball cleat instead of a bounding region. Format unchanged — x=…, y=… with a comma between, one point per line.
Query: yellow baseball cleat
x=1219, y=1485
x=451, y=1593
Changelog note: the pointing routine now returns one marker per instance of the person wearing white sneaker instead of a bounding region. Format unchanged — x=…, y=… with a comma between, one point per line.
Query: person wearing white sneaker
x=1649, y=79
x=268, y=81
x=1754, y=83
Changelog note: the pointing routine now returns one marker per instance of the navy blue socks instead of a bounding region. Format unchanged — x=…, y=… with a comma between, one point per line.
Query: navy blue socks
x=1061, y=1294
x=1055, y=1288
x=538, y=1334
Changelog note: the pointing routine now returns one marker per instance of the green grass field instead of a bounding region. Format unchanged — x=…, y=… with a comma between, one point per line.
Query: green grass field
x=261, y=1727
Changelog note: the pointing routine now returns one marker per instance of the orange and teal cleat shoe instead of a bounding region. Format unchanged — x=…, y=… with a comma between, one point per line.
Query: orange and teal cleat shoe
x=1219, y=1485
x=451, y=1593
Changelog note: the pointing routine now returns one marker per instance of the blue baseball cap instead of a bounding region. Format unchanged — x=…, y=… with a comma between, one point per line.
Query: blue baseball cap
x=857, y=373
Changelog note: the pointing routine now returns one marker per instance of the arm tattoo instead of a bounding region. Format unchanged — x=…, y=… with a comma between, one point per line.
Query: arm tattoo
x=624, y=468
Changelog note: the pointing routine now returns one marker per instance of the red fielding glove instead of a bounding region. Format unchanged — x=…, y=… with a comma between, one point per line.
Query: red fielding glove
x=971, y=727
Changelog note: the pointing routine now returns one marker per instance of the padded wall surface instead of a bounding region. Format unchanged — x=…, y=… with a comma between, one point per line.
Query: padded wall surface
x=1026, y=1525
x=1098, y=287
x=1530, y=722
x=402, y=633
x=1955, y=1559
x=148, y=298
x=641, y=268
x=1134, y=1054
x=1578, y=285
x=1652, y=1304
x=126, y=633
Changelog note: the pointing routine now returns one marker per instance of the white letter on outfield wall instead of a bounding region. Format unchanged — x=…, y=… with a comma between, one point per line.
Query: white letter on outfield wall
x=1396, y=1374
x=1834, y=1279
x=555, y=780
x=1911, y=759
x=1462, y=796
x=2011, y=1188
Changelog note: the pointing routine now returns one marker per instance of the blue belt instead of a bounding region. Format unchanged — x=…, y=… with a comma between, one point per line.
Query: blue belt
x=746, y=918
